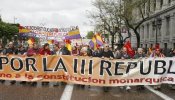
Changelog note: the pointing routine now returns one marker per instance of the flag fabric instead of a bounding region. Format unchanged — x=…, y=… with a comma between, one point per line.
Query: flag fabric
x=74, y=34
x=99, y=39
x=130, y=51
x=23, y=30
x=31, y=41
x=69, y=47
x=93, y=43
x=68, y=44
x=96, y=41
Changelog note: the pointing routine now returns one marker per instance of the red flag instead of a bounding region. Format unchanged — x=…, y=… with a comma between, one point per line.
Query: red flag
x=130, y=51
x=157, y=46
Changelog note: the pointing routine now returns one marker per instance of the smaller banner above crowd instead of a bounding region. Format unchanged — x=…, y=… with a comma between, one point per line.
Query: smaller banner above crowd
x=39, y=32
x=50, y=34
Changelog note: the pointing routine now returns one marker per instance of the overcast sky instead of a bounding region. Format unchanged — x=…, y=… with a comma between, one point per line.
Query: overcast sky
x=50, y=13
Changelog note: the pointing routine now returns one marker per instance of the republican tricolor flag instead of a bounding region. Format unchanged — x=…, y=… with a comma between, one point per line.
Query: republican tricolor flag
x=73, y=34
x=96, y=41
x=23, y=29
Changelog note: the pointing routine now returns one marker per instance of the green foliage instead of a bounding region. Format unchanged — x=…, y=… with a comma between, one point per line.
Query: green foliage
x=90, y=35
x=7, y=30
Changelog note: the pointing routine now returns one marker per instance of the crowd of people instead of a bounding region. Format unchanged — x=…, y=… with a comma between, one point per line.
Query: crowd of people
x=102, y=52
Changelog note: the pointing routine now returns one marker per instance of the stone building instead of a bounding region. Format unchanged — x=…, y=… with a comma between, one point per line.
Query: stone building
x=159, y=26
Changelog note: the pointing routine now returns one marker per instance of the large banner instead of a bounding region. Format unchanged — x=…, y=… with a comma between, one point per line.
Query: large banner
x=88, y=71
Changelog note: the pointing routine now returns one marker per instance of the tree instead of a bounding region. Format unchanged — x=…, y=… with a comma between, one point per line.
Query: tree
x=107, y=17
x=7, y=31
x=90, y=35
x=111, y=15
x=134, y=15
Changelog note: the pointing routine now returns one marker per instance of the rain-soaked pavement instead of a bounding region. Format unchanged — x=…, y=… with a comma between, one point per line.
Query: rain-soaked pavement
x=28, y=92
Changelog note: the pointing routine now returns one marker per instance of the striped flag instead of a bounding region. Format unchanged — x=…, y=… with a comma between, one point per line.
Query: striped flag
x=96, y=41
x=74, y=34
x=23, y=30
x=93, y=42
x=99, y=39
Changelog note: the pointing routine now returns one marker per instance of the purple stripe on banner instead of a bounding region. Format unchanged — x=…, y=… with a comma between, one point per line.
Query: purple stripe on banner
x=78, y=36
x=91, y=43
x=99, y=43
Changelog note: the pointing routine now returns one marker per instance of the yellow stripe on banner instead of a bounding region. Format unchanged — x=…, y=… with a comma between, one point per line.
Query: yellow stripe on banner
x=75, y=32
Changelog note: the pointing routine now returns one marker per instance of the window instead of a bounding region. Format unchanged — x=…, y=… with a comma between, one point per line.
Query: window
x=148, y=8
x=143, y=32
x=165, y=46
x=147, y=31
x=143, y=9
x=161, y=3
x=151, y=45
x=154, y=5
x=159, y=26
x=146, y=46
x=169, y=2
x=153, y=29
x=168, y=25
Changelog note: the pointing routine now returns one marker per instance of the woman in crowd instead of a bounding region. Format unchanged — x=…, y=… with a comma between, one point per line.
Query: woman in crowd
x=74, y=51
x=45, y=50
x=33, y=50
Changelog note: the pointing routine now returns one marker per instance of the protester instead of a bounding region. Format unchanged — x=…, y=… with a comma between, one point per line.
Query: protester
x=172, y=54
x=74, y=51
x=84, y=51
x=56, y=50
x=1, y=49
x=125, y=55
x=63, y=50
x=140, y=54
x=33, y=50
x=97, y=53
x=157, y=53
x=21, y=50
x=107, y=53
x=117, y=54
x=45, y=50
x=89, y=51
x=11, y=50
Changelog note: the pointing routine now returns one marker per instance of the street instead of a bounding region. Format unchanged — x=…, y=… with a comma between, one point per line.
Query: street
x=76, y=92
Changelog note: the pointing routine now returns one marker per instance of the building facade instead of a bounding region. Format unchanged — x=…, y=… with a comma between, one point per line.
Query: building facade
x=159, y=27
